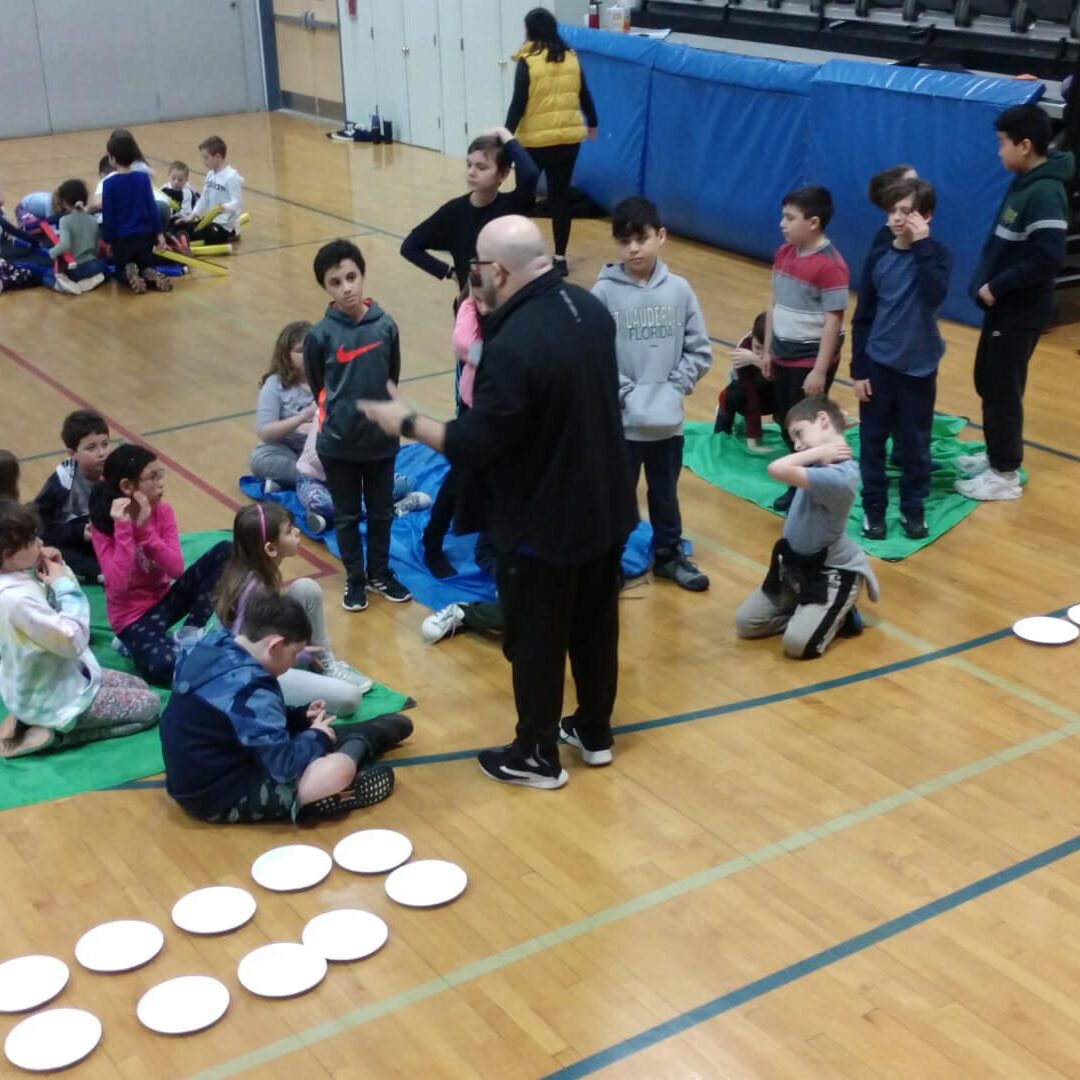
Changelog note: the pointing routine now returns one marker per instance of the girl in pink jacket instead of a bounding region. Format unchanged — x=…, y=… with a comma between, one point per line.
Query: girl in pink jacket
x=147, y=589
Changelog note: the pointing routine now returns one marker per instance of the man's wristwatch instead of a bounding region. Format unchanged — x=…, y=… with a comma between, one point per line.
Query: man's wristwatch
x=408, y=424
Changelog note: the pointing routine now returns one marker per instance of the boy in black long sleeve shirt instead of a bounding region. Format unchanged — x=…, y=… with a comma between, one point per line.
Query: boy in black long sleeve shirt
x=454, y=227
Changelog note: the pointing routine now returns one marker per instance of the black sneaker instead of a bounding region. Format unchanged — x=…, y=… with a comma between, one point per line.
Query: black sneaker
x=371, y=786
x=852, y=626
x=438, y=563
x=914, y=523
x=783, y=504
x=375, y=737
x=507, y=765
x=675, y=566
x=355, y=598
x=390, y=587
x=873, y=523
x=568, y=734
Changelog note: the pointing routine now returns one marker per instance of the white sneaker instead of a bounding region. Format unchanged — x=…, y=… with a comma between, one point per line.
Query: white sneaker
x=436, y=627
x=91, y=283
x=991, y=486
x=970, y=465
x=415, y=500
x=338, y=669
x=315, y=522
x=64, y=284
x=270, y=486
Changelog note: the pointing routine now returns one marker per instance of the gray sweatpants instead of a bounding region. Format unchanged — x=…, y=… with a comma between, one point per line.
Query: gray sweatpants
x=808, y=629
x=274, y=461
x=301, y=687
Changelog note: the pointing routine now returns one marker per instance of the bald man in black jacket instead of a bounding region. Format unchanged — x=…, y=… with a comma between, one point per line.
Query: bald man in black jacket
x=545, y=434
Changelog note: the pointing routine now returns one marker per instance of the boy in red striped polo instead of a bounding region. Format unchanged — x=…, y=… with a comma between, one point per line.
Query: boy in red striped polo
x=805, y=316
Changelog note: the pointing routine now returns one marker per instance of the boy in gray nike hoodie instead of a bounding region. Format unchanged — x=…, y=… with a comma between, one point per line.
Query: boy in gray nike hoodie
x=351, y=353
x=663, y=350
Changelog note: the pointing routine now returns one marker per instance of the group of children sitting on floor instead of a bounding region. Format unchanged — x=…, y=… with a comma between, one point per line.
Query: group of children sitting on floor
x=126, y=224
x=246, y=733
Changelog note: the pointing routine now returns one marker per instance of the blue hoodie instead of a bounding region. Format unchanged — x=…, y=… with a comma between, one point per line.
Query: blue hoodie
x=226, y=729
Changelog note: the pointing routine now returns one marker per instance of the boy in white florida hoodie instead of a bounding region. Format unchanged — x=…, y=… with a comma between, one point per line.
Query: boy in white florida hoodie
x=224, y=188
x=663, y=350
x=55, y=691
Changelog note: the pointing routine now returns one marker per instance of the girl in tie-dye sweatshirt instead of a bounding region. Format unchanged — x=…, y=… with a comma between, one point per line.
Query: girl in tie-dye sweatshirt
x=54, y=689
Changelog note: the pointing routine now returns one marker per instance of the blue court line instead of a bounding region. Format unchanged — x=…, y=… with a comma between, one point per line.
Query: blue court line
x=716, y=710
x=782, y=977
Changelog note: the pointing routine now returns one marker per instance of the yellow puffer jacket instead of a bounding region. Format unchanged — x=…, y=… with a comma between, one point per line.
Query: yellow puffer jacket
x=553, y=113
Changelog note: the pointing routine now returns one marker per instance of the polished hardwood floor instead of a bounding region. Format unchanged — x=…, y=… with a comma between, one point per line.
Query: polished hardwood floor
x=773, y=874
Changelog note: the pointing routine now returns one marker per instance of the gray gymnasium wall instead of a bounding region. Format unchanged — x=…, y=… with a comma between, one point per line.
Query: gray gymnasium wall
x=108, y=63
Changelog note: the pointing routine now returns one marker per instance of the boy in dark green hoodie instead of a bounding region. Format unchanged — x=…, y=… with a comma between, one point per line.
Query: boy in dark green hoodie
x=1014, y=285
x=351, y=354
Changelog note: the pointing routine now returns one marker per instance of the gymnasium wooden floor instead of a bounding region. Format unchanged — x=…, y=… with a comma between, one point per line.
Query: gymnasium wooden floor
x=863, y=866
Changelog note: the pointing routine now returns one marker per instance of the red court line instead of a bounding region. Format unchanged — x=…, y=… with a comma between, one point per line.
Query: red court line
x=324, y=568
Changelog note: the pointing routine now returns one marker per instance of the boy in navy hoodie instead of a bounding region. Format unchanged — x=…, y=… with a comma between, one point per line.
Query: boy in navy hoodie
x=64, y=500
x=663, y=349
x=1014, y=285
x=351, y=354
x=895, y=355
x=235, y=753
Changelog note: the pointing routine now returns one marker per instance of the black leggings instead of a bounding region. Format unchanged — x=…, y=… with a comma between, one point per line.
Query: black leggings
x=557, y=164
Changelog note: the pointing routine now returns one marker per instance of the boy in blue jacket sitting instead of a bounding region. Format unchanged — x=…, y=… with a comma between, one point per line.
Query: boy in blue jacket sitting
x=234, y=752
x=896, y=350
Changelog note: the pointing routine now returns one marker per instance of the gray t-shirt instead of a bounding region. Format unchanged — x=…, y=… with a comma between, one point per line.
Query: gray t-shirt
x=78, y=504
x=819, y=515
x=279, y=403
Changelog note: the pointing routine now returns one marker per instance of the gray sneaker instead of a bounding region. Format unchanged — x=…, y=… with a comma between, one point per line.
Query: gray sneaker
x=338, y=669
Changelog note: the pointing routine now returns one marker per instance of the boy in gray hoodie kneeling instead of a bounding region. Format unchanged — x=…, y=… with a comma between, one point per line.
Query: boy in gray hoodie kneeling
x=663, y=350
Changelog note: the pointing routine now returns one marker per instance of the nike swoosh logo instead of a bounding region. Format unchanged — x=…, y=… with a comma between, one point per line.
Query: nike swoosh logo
x=344, y=357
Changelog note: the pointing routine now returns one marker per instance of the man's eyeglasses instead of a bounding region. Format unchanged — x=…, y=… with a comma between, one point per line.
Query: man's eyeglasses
x=475, y=280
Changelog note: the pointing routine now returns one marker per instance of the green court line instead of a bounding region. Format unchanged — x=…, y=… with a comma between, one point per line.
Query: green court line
x=656, y=897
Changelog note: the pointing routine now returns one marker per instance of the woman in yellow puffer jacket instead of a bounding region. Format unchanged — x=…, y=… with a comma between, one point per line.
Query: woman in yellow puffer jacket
x=551, y=113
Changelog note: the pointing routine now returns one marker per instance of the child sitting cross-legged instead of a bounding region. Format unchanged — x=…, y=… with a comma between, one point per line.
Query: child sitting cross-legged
x=135, y=538
x=264, y=536
x=749, y=391
x=816, y=571
x=56, y=692
x=234, y=752
x=285, y=411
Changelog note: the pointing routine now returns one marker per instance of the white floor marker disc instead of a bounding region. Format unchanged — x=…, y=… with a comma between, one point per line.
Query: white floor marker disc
x=1046, y=630
x=1074, y=613
x=53, y=1039
x=119, y=946
x=292, y=867
x=29, y=981
x=347, y=934
x=372, y=851
x=426, y=883
x=214, y=910
x=181, y=1006
x=281, y=970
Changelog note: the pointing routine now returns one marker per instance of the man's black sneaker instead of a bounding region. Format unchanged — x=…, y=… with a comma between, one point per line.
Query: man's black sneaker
x=675, y=566
x=390, y=587
x=914, y=523
x=568, y=734
x=783, y=504
x=509, y=766
x=355, y=598
x=873, y=523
